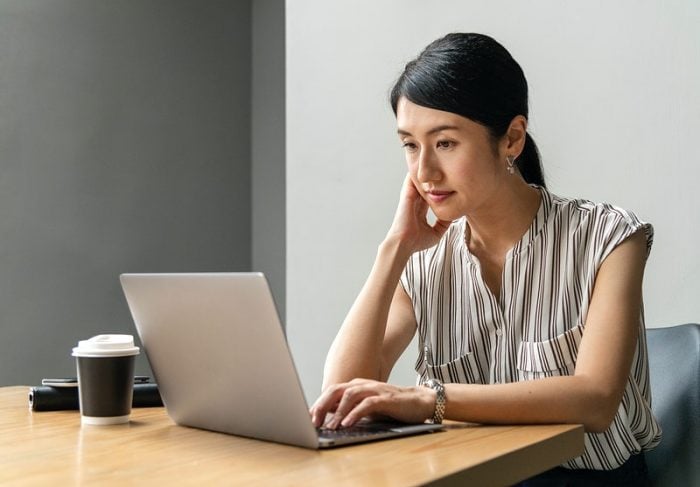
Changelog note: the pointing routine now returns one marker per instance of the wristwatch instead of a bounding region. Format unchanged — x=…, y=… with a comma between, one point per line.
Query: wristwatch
x=437, y=386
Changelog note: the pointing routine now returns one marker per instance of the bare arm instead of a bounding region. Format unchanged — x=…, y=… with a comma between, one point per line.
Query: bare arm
x=380, y=323
x=378, y=327
x=591, y=396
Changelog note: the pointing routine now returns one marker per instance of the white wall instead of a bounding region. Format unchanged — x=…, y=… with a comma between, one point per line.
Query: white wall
x=614, y=109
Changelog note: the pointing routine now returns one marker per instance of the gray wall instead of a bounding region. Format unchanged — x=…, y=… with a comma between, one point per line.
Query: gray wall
x=268, y=146
x=615, y=110
x=124, y=146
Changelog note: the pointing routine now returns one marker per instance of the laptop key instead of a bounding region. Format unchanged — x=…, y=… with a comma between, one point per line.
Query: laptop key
x=367, y=429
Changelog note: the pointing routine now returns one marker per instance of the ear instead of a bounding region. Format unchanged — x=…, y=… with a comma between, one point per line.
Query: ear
x=514, y=139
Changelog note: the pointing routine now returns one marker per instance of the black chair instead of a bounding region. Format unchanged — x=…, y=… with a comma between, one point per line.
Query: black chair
x=674, y=367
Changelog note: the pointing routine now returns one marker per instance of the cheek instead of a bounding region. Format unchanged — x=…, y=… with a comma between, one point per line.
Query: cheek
x=459, y=165
x=412, y=173
x=412, y=167
x=411, y=160
x=470, y=165
x=416, y=183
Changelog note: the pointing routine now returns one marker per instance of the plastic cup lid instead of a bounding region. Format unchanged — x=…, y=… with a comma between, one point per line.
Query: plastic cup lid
x=106, y=346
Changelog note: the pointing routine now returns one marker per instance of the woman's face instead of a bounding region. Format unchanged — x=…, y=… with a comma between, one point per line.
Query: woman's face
x=450, y=159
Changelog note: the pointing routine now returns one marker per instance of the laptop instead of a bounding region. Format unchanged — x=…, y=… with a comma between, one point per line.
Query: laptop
x=219, y=355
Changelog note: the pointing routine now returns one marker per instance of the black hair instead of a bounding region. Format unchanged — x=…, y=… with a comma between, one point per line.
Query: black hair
x=474, y=76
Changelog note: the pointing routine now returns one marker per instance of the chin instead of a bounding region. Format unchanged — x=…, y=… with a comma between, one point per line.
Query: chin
x=447, y=214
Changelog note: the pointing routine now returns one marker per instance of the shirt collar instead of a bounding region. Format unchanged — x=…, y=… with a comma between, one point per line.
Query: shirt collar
x=538, y=223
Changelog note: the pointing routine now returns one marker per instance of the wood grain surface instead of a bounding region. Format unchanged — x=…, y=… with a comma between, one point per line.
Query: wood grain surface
x=52, y=448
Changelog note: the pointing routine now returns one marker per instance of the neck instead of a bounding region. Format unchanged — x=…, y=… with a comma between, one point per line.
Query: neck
x=500, y=223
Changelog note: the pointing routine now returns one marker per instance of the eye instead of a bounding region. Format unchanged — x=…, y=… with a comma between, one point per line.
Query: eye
x=409, y=146
x=445, y=144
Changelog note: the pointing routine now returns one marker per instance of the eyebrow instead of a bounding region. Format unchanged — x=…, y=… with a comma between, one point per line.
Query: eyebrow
x=432, y=131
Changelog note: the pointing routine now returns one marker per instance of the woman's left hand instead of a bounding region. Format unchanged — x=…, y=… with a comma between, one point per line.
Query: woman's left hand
x=351, y=401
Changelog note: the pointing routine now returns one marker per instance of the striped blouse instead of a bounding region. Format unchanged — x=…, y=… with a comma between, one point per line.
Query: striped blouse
x=533, y=328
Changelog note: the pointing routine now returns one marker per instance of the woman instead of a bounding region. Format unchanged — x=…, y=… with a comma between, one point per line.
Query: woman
x=528, y=306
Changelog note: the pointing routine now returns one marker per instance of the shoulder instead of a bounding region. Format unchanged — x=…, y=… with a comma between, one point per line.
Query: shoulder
x=589, y=210
x=601, y=225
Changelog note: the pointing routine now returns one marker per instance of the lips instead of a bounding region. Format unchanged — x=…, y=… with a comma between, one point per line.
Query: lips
x=438, y=196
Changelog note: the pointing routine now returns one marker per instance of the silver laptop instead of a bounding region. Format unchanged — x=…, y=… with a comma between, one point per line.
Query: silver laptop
x=221, y=360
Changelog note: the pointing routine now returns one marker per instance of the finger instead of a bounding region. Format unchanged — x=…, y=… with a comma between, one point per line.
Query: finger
x=410, y=186
x=320, y=412
x=414, y=195
x=370, y=405
x=351, y=397
x=346, y=403
x=410, y=192
x=412, y=405
x=326, y=402
x=319, y=416
x=407, y=183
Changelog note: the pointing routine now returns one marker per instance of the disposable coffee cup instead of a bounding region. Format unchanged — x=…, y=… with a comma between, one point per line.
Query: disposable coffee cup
x=105, y=366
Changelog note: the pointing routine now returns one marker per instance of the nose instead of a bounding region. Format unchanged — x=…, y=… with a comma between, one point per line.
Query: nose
x=428, y=167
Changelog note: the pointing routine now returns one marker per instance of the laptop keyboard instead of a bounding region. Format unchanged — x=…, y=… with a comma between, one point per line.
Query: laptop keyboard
x=355, y=431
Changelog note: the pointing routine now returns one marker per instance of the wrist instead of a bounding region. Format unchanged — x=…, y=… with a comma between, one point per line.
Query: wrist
x=430, y=395
x=395, y=249
x=438, y=389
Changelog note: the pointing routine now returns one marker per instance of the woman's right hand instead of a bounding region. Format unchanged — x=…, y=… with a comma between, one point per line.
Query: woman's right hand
x=410, y=227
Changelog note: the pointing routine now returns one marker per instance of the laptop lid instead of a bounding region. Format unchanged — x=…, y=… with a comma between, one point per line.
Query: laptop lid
x=219, y=354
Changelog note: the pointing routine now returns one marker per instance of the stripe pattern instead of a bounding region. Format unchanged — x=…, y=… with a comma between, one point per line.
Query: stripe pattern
x=534, y=327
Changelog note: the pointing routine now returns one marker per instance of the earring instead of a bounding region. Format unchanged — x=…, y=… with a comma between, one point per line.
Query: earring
x=510, y=164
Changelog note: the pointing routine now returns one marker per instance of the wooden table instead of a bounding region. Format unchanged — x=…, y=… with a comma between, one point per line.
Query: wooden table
x=51, y=448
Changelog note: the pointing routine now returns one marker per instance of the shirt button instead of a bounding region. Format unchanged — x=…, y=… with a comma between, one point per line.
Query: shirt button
x=499, y=332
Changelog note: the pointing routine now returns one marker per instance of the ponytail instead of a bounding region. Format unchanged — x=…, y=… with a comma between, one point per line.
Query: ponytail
x=528, y=163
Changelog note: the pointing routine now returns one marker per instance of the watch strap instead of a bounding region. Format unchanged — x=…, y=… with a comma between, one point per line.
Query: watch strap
x=440, y=400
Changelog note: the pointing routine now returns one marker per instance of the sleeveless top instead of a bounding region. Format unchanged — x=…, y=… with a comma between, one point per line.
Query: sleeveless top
x=533, y=329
